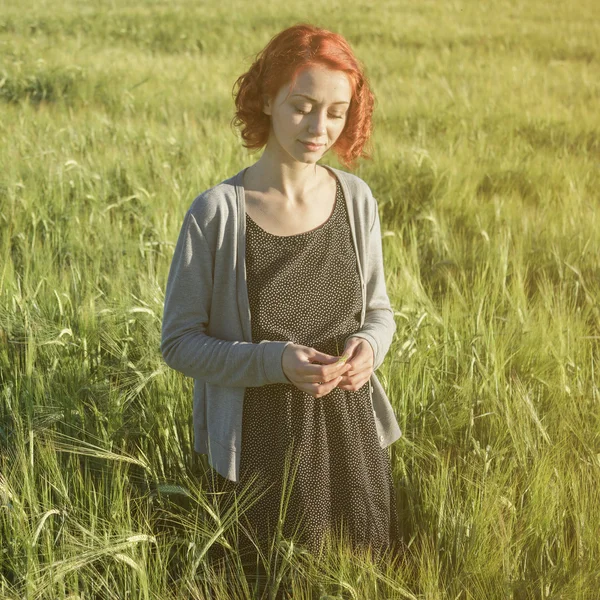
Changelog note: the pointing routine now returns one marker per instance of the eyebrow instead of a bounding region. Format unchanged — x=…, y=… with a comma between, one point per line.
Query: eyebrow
x=313, y=99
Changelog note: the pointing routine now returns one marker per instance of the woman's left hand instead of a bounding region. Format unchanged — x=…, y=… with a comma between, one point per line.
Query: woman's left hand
x=361, y=360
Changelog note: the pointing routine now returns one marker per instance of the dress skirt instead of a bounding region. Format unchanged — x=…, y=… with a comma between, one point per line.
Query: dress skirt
x=314, y=463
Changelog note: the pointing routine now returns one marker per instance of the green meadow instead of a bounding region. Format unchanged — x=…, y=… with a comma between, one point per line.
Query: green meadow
x=486, y=168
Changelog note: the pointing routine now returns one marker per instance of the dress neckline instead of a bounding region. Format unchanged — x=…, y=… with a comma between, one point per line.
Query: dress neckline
x=303, y=233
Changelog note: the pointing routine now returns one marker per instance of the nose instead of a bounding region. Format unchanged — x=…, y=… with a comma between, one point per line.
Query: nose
x=317, y=124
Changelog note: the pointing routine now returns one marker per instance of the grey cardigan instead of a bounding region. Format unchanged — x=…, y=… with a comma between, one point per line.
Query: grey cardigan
x=206, y=331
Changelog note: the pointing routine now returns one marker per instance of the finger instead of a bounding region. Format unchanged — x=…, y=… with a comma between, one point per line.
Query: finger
x=359, y=368
x=323, y=358
x=351, y=378
x=338, y=368
x=324, y=373
x=362, y=351
x=352, y=384
x=354, y=358
x=361, y=361
x=324, y=389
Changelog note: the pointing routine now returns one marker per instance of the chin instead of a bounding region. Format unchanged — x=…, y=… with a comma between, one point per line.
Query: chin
x=312, y=157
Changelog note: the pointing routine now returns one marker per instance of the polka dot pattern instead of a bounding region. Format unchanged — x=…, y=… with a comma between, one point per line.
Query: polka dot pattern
x=306, y=288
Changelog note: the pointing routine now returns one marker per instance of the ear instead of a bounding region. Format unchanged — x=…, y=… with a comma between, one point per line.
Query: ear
x=266, y=105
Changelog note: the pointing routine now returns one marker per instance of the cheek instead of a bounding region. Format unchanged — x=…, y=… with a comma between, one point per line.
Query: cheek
x=283, y=127
x=338, y=128
x=289, y=123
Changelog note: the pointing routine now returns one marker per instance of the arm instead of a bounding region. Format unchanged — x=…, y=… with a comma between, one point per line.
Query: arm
x=185, y=345
x=379, y=326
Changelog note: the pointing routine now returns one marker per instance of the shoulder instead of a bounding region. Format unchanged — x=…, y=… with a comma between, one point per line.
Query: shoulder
x=354, y=184
x=214, y=202
x=360, y=195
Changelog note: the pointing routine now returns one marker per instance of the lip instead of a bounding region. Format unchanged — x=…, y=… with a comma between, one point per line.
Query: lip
x=312, y=147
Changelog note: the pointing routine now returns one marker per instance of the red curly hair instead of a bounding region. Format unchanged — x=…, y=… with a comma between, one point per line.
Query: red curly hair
x=280, y=62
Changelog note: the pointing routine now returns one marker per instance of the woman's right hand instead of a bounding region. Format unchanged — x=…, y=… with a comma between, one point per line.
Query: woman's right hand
x=317, y=380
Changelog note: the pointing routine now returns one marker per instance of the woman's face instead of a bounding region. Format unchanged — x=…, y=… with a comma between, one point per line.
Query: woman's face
x=314, y=111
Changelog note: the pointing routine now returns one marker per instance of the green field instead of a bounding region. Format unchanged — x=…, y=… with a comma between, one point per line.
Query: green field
x=486, y=167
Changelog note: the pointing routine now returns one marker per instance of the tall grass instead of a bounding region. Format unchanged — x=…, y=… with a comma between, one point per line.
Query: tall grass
x=486, y=152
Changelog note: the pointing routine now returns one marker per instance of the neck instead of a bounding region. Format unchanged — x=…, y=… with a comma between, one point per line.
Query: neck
x=292, y=180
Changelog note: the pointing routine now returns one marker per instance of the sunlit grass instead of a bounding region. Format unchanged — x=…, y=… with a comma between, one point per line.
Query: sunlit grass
x=113, y=118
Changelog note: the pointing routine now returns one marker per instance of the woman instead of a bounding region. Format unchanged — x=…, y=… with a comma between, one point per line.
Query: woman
x=277, y=272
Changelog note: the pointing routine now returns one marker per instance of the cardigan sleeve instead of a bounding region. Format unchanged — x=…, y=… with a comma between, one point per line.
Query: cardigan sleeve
x=379, y=326
x=185, y=346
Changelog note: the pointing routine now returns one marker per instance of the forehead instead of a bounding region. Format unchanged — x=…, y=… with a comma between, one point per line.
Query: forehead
x=320, y=83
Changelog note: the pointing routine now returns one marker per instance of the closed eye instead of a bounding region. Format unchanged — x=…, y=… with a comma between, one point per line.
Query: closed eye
x=305, y=112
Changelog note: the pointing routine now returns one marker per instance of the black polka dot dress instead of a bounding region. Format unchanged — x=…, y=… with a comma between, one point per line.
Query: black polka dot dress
x=317, y=461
